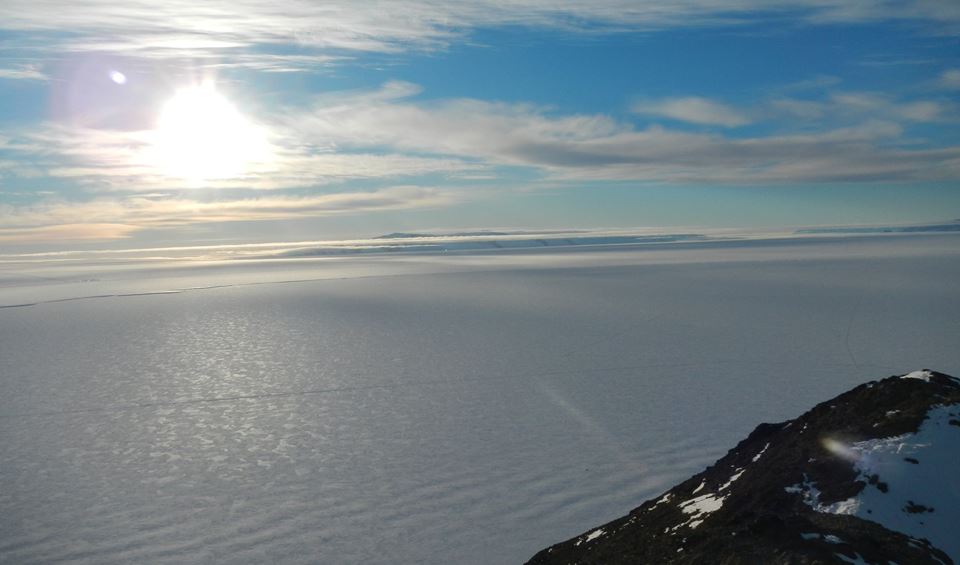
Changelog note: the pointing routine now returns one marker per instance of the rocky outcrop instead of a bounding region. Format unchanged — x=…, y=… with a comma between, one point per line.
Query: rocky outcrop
x=871, y=476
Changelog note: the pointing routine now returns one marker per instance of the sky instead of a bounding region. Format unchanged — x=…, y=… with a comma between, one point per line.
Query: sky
x=137, y=124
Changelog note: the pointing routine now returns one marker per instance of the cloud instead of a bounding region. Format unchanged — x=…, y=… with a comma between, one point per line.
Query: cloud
x=384, y=135
x=924, y=111
x=117, y=218
x=61, y=232
x=858, y=101
x=570, y=147
x=839, y=11
x=950, y=78
x=843, y=107
x=804, y=109
x=854, y=105
x=694, y=110
x=23, y=72
x=187, y=29
x=118, y=160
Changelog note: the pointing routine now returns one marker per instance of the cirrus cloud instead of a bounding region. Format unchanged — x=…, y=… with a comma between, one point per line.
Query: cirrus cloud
x=598, y=147
x=117, y=218
x=178, y=29
x=950, y=78
x=119, y=160
x=694, y=110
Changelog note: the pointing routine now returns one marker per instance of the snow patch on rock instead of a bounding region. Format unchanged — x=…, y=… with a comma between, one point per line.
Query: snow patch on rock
x=762, y=451
x=856, y=559
x=733, y=478
x=923, y=375
x=661, y=500
x=591, y=536
x=811, y=497
x=829, y=538
x=703, y=504
x=921, y=484
x=699, y=508
x=923, y=498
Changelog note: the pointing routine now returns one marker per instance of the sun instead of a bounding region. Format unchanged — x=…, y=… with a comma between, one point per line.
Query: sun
x=201, y=136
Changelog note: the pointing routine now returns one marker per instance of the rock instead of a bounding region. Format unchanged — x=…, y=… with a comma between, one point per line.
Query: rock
x=826, y=487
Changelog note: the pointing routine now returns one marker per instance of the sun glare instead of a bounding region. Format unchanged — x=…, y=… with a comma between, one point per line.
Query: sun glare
x=200, y=136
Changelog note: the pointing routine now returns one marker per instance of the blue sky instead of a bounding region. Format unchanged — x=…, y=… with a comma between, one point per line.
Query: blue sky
x=137, y=125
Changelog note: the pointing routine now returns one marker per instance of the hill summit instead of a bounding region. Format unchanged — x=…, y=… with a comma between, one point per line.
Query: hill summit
x=871, y=476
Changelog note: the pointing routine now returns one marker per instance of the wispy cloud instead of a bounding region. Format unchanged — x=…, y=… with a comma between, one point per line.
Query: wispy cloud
x=23, y=72
x=66, y=232
x=950, y=78
x=385, y=134
x=803, y=109
x=692, y=109
x=118, y=160
x=851, y=106
x=599, y=147
x=91, y=140
x=116, y=218
x=181, y=28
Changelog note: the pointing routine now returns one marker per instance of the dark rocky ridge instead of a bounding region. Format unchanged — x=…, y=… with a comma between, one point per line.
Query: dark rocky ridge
x=759, y=519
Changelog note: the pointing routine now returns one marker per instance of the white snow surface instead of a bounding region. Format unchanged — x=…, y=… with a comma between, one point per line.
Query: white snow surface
x=699, y=507
x=934, y=482
x=829, y=538
x=760, y=454
x=811, y=497
x=855, y=560
x=733, y=478
x=460, y=408
x=703, y=504
x=590, y=537
x=921, y=375
x=661, y=500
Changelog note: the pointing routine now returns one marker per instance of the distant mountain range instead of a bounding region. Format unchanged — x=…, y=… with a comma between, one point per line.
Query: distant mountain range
x=412, y=235
x=871, y=476
x=923, y=228
x=480, y=241
x=519, y=239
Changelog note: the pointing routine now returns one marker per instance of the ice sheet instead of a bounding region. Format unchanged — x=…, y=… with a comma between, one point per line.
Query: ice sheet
x=468, y=408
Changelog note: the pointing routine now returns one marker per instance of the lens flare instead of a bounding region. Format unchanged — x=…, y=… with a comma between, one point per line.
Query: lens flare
x=839, y=449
